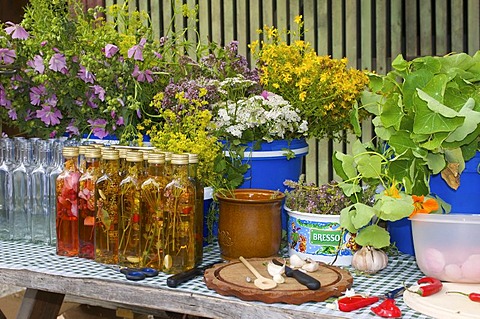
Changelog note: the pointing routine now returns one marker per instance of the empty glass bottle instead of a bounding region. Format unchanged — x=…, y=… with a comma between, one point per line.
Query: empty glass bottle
x=179, y=218
x=67, y=204
x=106, y=207
x=86, y=203
x=53, y=170
x=40, y=212
x=6, y=165
x=152, y=201
x=129, y=221
x=21, y=191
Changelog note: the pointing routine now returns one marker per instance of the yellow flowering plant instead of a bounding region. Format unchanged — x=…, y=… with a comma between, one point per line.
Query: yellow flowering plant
x=322, y=88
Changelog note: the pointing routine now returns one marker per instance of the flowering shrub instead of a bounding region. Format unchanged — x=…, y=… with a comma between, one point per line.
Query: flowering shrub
x=75, y=73
x=323, y=89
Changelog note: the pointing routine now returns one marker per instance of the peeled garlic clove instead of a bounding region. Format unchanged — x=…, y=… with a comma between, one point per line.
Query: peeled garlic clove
x=278, y=278
x=311, y=267
x=296, y=261
x=275, y=269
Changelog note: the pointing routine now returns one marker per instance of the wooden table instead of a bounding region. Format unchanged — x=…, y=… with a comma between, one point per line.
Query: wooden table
x=49, y=278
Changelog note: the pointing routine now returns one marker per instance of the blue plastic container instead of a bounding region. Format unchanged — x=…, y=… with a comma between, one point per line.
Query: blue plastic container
x=466, y=199
x=401, y=234
x=270, y=167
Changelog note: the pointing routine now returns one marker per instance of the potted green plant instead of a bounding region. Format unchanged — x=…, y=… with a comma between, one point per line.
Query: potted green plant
x=369, y=169
x=313, y=227
x=428, y=112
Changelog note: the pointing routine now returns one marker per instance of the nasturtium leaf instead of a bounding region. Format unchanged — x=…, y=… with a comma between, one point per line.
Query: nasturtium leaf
x=346, y=221
x=412, y=82
x=350, y=188
x=358, y=148
x=427, y=62
x=395, y=208
x=435, y=141
x=344, y=165
x=370, y=166
x=401, y=142
x=361, y=215
x=472, y=119
x=436, y=162
x=460, y=61
x=370, y=101
x=399, y=63
x=355, y=121
x=433, y=116
x=399, y=169
x=392, y=112
x=455, y=156
x=374, y=236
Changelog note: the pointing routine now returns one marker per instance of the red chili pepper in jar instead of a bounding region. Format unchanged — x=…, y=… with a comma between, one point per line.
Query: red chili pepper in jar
x=431, y=286
x=347, y=304
x=473, y=296
x=387, y=309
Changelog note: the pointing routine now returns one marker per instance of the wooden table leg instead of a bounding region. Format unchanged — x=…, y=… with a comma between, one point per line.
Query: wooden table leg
x=39, y=304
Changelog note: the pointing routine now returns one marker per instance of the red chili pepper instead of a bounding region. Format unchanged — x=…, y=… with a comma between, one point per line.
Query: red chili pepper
x=387, y=309
x=434, y=286
x=347, y=304
x=473, y=296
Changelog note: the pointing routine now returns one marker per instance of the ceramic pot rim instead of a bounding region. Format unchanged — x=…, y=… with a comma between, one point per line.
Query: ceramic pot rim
x=252, y=195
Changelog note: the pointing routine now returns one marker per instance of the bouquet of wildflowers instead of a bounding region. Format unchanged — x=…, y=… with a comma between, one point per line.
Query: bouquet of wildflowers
x=323, y=89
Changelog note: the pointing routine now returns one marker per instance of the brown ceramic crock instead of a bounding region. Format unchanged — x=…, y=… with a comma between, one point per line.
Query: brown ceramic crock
x=250, y=223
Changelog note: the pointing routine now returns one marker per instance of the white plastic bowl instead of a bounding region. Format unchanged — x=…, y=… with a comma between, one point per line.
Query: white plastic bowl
x=447, y=246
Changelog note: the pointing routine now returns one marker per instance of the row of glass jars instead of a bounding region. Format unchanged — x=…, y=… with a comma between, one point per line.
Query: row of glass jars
x=136, y=209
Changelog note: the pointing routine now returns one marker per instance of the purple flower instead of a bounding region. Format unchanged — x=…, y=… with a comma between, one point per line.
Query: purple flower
x=7, y=56
x=49, y=115
x=12, y=114
x=110, y=50
x=44, y=43
x=120, y=121
x=37, y=64
x=16, y=30
x=72, y=129
x=58, y=63
x=53, y=134
x=98, y=127
x=264, y=94
x=99, y=92
x=3, y=98
x=137, y=50
x=36, y=93
x=141, y=76
x=85, y=75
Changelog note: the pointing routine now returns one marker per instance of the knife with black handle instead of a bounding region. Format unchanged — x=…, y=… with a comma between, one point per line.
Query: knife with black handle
x=177, y=279
x=303, y=278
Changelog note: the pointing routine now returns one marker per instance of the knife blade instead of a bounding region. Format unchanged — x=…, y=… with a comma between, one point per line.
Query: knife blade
x=177, y=279
x=303, y=278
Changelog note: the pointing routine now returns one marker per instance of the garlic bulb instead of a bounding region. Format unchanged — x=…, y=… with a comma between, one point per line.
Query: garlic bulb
x=296, y=261
x=369, y=260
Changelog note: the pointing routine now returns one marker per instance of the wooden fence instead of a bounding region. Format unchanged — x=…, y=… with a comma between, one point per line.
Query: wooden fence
x=370, y=33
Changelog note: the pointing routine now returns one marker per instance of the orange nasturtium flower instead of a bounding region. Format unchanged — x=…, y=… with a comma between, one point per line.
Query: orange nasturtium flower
x=392, y=192
x=423, y=206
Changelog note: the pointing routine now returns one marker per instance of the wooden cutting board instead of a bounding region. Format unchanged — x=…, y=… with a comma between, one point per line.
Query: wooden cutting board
x=229, y=279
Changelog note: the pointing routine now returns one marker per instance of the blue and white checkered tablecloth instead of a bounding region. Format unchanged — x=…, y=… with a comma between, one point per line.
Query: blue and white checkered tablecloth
x=43, y=259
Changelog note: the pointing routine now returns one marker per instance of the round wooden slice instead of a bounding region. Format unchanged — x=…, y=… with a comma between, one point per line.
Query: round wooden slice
x=229, y=279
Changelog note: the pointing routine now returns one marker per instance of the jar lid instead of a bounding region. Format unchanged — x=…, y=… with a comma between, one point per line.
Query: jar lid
x=93, y=152
x=134, y=156
x=192, y=158
x=70, y=151
x=179, y=159
x=156, y=158
x=110, y=154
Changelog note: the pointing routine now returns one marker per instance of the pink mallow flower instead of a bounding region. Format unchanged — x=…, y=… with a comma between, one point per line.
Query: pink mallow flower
x=36, y=93
x=110, y=50
x=37, y=64
x=7, y=56
x=141, y=76
x=58, y=63
x=137, y=50
x=49, y=115
x=98, y=127
x=16, y=30
x=85, y=75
